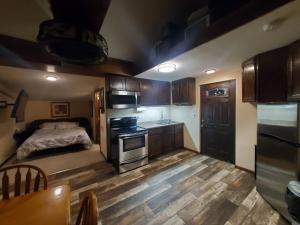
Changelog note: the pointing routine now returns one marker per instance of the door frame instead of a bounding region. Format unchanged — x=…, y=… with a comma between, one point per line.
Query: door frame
x=97, y=116
x=200, y=114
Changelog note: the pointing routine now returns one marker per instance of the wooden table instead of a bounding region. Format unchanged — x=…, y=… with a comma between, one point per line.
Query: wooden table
x=46, y=207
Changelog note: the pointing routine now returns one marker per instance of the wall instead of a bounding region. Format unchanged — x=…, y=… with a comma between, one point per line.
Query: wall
x=245, y=120
x=150, y=114
x=7, y=129
x=36, y=109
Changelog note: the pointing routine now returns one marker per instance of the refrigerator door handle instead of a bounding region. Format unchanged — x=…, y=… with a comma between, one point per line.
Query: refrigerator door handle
x=296, y=145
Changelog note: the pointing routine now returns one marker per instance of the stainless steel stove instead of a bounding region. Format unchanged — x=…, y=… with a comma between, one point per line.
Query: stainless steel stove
x=128, y=147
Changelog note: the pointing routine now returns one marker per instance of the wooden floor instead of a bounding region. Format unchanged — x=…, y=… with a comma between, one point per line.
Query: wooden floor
x=176, y=189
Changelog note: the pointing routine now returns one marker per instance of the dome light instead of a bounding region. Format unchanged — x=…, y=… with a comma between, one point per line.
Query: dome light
x=51, y=78
x=210, y=71
x=166, y=68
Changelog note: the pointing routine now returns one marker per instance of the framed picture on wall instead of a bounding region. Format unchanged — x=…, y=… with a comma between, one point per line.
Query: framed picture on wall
x=60, y=109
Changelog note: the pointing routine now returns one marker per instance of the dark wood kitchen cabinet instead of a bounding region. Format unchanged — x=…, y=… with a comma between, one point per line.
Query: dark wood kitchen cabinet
x=294, y=71
x=178, y=136
x=155, y=142
x=168, y=139
x=249, y=81
x=122, y=83
x=162, y=140
x=264, y=77
x=183, y=91
x=155, y=92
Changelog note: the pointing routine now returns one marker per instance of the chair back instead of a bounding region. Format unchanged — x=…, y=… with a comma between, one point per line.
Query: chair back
x=32, y=173
x=88, y=213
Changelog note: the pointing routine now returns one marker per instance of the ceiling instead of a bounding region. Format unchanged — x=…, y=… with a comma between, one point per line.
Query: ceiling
x=130, y=27
x=67, y=87
x=227, y=52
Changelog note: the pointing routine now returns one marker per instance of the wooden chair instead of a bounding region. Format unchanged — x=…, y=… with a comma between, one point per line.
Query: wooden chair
x=18, y=181
x=88, y=213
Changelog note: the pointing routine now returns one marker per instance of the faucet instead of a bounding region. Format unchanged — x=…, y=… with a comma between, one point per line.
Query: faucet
x=161, y=115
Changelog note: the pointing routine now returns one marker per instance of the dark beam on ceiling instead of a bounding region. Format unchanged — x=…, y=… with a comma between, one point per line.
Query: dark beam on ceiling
x=21, y=53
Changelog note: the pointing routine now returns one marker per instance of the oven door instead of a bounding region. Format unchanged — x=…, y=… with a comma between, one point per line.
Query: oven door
x=123, y=99
x=133, y=147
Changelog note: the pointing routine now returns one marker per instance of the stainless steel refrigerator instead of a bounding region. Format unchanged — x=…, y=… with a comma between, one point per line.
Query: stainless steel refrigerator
x=277, y=152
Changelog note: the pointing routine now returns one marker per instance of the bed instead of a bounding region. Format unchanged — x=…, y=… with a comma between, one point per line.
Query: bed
x=53, y=134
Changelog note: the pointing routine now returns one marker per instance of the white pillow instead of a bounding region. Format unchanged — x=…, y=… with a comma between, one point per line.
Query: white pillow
x=67, y=125
x=48, y=125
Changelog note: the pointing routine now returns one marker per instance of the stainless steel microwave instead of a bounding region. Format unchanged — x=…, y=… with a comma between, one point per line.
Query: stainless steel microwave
x=123, y=99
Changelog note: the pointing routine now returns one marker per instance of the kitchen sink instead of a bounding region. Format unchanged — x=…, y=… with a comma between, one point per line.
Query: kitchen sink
x=166, y=122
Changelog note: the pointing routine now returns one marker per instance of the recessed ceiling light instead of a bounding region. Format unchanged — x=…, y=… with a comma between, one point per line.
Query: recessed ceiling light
x=166, y=68
x=273, y=25
x=210, y=71
x=51, y=78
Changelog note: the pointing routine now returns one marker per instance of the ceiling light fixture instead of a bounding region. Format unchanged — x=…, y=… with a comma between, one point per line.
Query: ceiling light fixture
x=166, y=68
x=210, y=71
x=273, y=25
x=51, y=78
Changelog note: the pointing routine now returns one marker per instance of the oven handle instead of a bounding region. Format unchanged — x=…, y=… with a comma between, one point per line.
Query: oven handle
x=132, y=136
x=139, y=159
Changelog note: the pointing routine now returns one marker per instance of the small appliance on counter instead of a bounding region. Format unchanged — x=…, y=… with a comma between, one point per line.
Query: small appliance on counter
x=128, y=146
x=278, y=152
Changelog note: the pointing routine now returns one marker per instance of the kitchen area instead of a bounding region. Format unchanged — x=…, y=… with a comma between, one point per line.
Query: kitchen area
x=139, y=118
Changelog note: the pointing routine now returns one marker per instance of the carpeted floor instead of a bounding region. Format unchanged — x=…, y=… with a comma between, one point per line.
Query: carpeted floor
x=54, y=163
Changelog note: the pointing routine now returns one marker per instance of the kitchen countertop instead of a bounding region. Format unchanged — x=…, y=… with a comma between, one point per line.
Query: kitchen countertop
x=154, y=124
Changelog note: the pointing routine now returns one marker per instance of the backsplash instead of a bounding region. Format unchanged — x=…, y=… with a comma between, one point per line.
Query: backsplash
x=149, y=114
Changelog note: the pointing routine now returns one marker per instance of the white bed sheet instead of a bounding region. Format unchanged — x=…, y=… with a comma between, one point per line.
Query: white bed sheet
x=53, y=138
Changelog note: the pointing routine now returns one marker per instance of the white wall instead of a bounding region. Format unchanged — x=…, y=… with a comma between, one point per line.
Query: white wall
x=246, y=124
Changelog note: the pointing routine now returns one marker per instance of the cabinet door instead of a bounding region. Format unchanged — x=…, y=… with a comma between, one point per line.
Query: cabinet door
x=178, y=136
x=176, y=92
x=294, y=71
x=132, y=84
x=164, y=93
x=116, y=83
x=184, y=91
x=272, y=76
x=168, y=139
x=249, y=81
x=148, y=92
x=154, y=145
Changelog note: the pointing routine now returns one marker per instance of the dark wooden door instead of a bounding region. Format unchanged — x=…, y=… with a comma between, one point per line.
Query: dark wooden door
x=218, y=120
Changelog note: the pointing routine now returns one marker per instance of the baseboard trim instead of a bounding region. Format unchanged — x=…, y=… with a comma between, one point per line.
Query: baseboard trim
x=191, y=150
x=244, y=169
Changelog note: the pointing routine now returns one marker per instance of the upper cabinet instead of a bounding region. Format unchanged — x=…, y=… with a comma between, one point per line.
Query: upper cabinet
x=265, y=77
x=294, y=71
x=183, y=91
x=249, y=80
x=155, y=93
x=122, y=83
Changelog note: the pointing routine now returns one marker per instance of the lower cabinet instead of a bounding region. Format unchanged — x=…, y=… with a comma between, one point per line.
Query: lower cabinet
x=162, y=140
